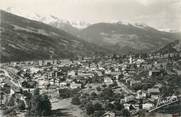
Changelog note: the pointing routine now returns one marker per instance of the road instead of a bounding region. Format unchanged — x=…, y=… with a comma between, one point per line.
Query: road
x=124, y=88
x=10, y=80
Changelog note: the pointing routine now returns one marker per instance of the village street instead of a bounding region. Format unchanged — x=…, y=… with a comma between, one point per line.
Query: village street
x=124, y=88
x=9, y=79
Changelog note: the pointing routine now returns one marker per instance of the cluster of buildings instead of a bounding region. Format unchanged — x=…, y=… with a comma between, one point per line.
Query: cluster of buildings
x=130, y=76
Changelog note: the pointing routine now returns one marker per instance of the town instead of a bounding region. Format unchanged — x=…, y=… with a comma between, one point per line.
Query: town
x=110, y=86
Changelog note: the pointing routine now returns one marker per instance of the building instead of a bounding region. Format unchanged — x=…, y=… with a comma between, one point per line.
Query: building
x=155, y=72
x=74, y=85
x=71, y=73
x=109, y=114
x=108, y=81
x=129, y=98
x=154, y=92
x=148, y=105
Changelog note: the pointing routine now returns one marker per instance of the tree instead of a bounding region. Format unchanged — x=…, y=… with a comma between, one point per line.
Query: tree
x=98, y=113
x=75, y=100
x=141, y=113
x=137, y=86
x=126, y=113
x=64, y=93
x=109, y=107
x=104, y=85
x=93, y=95
x=45, y=105
x=107, y=93
x=35, y=103
x=21, y=104
x=118, y=105
x=29, y=84
x=39, y=105
x=90, y=108
x=98, y=106
x=121, y=76
x=98, y=88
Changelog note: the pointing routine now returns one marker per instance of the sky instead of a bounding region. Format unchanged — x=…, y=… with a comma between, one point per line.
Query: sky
x=161, y=14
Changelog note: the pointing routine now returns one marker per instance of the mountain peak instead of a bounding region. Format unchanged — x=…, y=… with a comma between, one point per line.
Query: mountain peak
x=51, y=19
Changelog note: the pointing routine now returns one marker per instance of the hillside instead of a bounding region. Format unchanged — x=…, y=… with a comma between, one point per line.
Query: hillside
x=173, y=47
x=127, y=37
x=24, y=39
x=66, y=27
x=118, y=37
x=72, y=27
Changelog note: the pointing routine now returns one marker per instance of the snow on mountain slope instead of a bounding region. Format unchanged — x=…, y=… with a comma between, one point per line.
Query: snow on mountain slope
x=53, y=19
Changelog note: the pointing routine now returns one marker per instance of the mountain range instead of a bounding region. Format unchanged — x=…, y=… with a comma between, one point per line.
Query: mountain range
x=25, y=39
x=45, y=38
x=173, y=47
x=53, y=19
x=117, y=36
x=127, y=37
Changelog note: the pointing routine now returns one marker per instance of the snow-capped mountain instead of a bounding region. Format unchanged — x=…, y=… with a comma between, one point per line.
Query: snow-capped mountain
x=134, y=24
x=170, y=30
x=127, y=37
x=63, y=23
x=59, y=21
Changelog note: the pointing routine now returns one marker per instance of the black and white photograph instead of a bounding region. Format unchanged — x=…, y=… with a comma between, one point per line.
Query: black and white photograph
x=90, y=58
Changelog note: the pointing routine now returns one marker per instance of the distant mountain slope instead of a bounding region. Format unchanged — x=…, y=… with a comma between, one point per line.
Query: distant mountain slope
x=127, y=37
x=173, y=47
x=24, y=39
x=118, y=37
x=72, y=27
x=66, y=27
